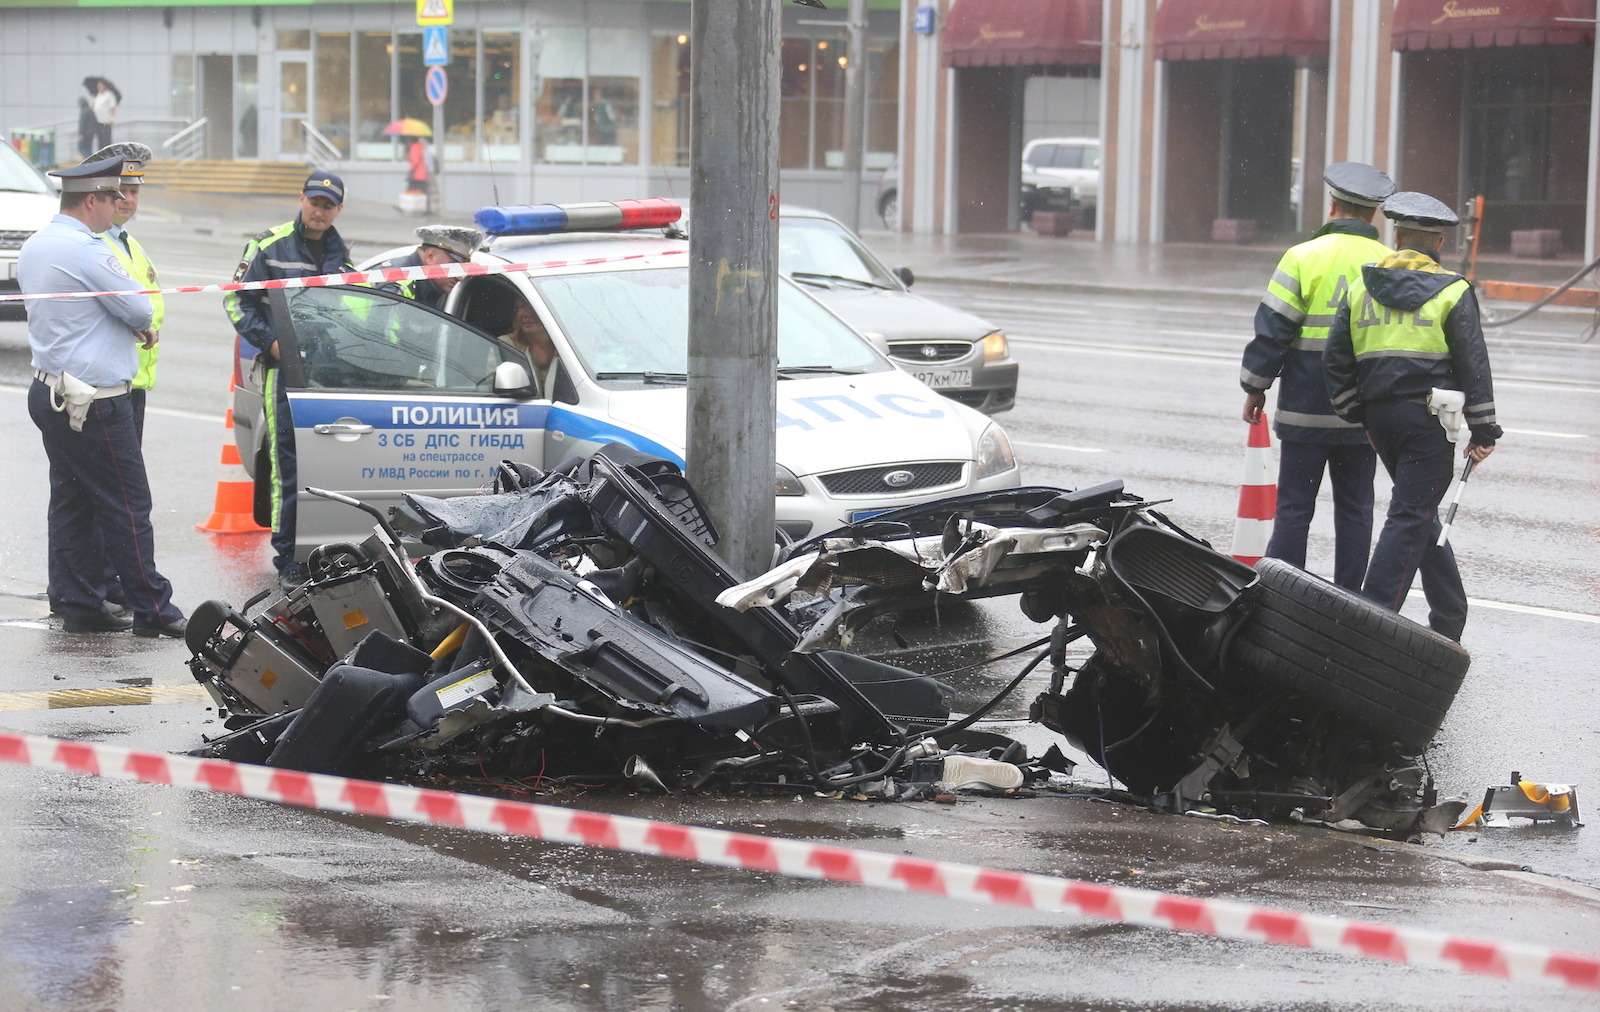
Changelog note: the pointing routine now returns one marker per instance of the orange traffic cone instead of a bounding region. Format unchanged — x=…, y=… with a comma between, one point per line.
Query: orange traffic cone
x=1258, y=495
x=234, y=512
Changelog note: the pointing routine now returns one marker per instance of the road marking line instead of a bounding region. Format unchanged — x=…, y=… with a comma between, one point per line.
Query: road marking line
x=1524, y=609
x=122, y=695
x=1057, y=446
x=1549, y=435
x=192, y=416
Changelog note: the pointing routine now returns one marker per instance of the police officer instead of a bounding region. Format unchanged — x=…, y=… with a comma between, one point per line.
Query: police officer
x=439, y=244
x=1292, y=324
x=137, y=263
x=1411, y=326
x=307, y=246
x=84, y=355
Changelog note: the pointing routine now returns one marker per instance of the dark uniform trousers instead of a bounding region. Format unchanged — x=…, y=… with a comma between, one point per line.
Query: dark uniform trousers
x=280, y=431
x=1421, y=461
x=99, y=502
x=1350, y=469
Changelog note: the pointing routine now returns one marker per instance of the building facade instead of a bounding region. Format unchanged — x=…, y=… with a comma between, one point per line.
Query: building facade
x=1218, y=116
x=549, y=100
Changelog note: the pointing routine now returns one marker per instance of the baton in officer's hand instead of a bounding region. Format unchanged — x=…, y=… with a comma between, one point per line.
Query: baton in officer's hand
x=1447, y=405
x=1455, y=502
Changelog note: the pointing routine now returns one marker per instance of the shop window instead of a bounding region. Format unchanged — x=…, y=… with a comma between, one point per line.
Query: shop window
x=1528, y=125
x=373, y=76
x=408, y=69
x=294, y=38
x=332, y=115
x=794, y=104
x=183, y=86
x=293, y=88
x=502, y=96
x=883, y=103
x=828, y=123
x=563, y=66
x=613, y=102
x=669, y=100
x=461, y=102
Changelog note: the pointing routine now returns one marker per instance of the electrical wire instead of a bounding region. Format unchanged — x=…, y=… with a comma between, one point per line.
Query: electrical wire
x=1562, y=290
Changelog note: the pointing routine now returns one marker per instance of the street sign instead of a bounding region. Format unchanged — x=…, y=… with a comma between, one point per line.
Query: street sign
x=435, y=47
x=923, y=25
x=436, y=12
x=436, y=85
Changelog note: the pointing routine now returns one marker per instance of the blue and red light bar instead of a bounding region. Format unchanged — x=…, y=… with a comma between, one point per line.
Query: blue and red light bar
x=597, y=216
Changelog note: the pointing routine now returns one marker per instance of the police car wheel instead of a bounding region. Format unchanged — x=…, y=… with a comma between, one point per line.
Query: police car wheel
x=1328, y=646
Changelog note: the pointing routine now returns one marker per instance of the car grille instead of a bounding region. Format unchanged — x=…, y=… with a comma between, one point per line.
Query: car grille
x=971, y=398
x=13, y=238
x=870, y=480
x=929, y=351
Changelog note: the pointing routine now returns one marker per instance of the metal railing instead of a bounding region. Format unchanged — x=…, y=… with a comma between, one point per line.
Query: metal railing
x=319, y=149
x=187, y=144
x=59, y=141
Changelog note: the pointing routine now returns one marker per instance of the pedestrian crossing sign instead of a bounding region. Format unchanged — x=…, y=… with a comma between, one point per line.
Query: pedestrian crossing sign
x=435, y=47
x=435, y=12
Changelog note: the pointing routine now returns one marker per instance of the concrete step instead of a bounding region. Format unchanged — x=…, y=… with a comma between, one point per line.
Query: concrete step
x=232, y=176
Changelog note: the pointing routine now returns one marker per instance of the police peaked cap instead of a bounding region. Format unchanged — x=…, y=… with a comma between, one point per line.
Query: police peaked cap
x=134, y=158
x=455, y=239
x=103, y=176
x=1419, y=212
x=1358, y=183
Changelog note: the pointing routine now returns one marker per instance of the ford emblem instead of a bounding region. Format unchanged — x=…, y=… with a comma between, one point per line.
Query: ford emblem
x=929, y=351
x=899, y=479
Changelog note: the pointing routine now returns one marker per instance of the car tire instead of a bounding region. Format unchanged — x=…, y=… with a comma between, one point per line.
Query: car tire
x=1329, y=646
x=889, y=209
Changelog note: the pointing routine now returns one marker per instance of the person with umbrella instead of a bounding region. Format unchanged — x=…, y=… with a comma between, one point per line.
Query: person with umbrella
x=413, y=130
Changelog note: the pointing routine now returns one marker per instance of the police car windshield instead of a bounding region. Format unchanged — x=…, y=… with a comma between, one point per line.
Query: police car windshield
x=636, y=322
x=819, y=250
x=17, y=176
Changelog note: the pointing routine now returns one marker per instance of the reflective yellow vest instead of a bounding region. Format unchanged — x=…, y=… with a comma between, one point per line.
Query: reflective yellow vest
x=1313, y=280
x=1380, y=331
x=139, y=268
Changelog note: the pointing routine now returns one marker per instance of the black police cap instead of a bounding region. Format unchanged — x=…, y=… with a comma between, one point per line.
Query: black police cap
x=1419, y=212
x=104, y=175
x=1358, y=183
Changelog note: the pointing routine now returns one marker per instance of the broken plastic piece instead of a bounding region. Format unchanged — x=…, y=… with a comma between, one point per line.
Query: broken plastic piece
x=1524, y=799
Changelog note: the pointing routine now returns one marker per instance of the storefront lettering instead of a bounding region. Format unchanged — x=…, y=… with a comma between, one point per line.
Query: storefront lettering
x=1203, y=24
x=988, y=34
x=1453, y=10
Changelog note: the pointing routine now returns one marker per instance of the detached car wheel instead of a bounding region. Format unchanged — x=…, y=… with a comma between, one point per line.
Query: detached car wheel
x=1389, y=675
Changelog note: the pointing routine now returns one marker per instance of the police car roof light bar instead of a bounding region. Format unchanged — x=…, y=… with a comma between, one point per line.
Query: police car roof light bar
x=596, y=216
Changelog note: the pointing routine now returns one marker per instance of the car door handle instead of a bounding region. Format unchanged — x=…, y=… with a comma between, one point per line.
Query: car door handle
x=342, y=429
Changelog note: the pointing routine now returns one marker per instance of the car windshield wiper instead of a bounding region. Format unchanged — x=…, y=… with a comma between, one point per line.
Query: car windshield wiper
x=814, y=276
x=645, y=376
x=817, y=370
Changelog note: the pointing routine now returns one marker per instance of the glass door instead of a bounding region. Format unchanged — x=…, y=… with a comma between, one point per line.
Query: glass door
x=294, y=103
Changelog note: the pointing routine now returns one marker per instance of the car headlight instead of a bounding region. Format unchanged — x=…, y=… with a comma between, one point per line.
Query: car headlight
x=994, y=453
x=995, y=347
x=787, y=483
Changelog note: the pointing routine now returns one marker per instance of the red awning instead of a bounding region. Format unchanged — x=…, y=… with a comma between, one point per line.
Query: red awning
x=1022, y=33
x=1240, y=29
x=1472, y=24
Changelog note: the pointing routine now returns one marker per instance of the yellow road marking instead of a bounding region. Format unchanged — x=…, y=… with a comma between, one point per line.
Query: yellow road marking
x=121, y=695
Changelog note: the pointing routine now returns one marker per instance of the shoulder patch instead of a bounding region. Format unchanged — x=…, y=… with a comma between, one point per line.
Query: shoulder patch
x=115, y=266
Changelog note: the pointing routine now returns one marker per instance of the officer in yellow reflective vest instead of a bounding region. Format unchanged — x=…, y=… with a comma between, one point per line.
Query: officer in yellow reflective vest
x=137, y=263
x=437, y=245
x=1292, y=322
x=1411, y=326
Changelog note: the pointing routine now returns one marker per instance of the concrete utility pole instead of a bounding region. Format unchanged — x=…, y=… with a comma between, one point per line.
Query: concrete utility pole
x=855, y=109
x=733, y=272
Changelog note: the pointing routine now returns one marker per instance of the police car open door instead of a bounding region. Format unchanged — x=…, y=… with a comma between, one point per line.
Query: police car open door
x=388, y=396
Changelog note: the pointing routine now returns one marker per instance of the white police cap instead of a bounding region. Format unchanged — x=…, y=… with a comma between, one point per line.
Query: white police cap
x=1358, y=183
x=133, y=155
x=457, y=240
x=1419, y=212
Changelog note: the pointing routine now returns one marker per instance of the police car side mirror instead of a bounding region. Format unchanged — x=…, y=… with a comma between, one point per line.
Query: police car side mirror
x=906, y=277
x=511, y=379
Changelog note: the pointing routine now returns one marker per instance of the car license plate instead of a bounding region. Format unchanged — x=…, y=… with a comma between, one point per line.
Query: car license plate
x=859, y=515
x=945, y=378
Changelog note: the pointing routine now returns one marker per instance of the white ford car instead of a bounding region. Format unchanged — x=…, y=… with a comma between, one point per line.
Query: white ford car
x=389, y=396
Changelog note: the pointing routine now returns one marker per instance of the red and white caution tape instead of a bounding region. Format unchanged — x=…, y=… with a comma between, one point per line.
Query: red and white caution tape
x=799, y=859
x=372, y=277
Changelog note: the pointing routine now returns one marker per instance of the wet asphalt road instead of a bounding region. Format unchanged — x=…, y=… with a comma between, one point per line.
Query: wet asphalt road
x=126, y=895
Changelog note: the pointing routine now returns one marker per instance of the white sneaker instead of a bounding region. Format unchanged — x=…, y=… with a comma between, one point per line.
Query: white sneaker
x=973, y=771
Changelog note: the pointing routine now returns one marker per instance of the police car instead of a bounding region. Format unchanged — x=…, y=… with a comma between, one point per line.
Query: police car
x=389, y=396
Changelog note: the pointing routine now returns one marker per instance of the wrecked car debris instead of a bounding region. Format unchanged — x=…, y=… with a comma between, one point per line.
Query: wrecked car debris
x=581, y=625
x=1525, y=801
